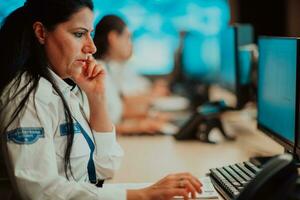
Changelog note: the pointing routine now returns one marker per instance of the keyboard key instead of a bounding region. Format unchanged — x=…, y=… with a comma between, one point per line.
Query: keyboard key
x=252, y=167
x=229, y=177
x=246, y=170
x=228, y=186
x=241, y=173
x=236, y=176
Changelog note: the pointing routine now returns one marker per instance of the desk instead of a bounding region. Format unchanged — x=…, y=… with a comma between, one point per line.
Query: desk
x=149, y=158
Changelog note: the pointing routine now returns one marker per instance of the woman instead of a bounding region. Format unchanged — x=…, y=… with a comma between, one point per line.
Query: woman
x=114, y=38
x=130, y=108
x=57, y=140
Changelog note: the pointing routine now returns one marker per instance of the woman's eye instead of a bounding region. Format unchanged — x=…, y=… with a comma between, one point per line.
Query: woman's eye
x=78, y=34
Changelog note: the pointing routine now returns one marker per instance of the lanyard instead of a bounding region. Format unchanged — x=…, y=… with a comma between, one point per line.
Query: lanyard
x=91, y=165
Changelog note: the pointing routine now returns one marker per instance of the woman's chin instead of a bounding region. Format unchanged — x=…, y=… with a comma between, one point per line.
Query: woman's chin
x=76, y=70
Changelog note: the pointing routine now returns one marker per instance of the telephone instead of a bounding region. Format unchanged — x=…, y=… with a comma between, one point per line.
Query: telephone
x=203, y=120
x=276, y=181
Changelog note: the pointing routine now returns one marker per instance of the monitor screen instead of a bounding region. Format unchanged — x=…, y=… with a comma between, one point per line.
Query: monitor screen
x=245, y=63
x=228, y=59
x=244, y=34
x=153, y=53
x=200, y=57
x=233, y=66
x=277, y=88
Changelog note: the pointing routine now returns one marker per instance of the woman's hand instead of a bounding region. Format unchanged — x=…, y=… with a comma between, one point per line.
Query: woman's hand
x=160, y=88
x=181, y=184
x=90, y=78
x=149, y=126
x=138, y=126
x=161, y=116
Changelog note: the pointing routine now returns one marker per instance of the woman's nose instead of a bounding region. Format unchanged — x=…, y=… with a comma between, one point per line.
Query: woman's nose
x=89, y=47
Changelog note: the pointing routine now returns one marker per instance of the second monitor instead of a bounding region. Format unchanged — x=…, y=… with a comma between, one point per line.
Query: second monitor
x=236, y=62
x=278, y=90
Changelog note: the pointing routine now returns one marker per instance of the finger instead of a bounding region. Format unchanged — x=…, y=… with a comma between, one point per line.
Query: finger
x=170, y=181
x=90, y=69
x=190, y=176
x=189, y=187
x=91, y=64
x=195, y=183
x=97, y=70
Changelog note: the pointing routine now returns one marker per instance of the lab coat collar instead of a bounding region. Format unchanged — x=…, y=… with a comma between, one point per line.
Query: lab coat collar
x=61, y=84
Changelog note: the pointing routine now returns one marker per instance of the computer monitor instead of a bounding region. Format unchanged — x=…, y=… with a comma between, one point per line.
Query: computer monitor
x=153, y=53
x=278, y=90
x=196, y=66
x=236, y=61
x=200, y=57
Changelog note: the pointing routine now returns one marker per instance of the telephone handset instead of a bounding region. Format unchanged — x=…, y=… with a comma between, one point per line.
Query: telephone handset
x=203, y=120
x=276, y=181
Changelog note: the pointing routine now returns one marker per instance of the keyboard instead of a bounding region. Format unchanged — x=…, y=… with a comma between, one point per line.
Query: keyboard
x=230, y=180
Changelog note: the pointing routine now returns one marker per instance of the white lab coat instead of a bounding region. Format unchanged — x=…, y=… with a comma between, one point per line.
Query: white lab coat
x=127, y=80
x=37, y=157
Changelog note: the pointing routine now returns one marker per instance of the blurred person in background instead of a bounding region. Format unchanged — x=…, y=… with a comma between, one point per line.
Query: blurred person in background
x=130, y=94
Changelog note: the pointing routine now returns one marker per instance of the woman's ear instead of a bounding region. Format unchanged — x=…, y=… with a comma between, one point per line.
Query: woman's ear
x=39, y=31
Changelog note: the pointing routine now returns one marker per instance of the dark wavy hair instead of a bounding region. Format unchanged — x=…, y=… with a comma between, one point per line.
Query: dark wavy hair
x=107, y=24
x=21, y=52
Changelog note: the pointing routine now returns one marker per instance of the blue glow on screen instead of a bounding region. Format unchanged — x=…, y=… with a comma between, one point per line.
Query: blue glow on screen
x=7, y=6
x=245, y=37
x=233, y=39
x=228, y=63
x=153, y=51
x=155, y=26
x=245, y=62
x=200, y=62
x=277, y=85
x=245, y=34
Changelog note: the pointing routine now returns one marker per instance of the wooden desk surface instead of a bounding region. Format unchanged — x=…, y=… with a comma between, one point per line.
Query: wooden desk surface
x=149, y=158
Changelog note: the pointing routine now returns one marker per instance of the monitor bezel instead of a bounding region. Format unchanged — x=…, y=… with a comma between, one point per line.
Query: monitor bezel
x=241, y=92
x=287, y=145
x=297, y=117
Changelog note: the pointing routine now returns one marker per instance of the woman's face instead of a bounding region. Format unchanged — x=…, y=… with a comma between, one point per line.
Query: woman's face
x=121, y=47
x=69, y=44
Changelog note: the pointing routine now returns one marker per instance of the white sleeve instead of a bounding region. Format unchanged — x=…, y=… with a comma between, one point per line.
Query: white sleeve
x=134, y=83
x=33, y=160
x=108, y=154
x=114, y=101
